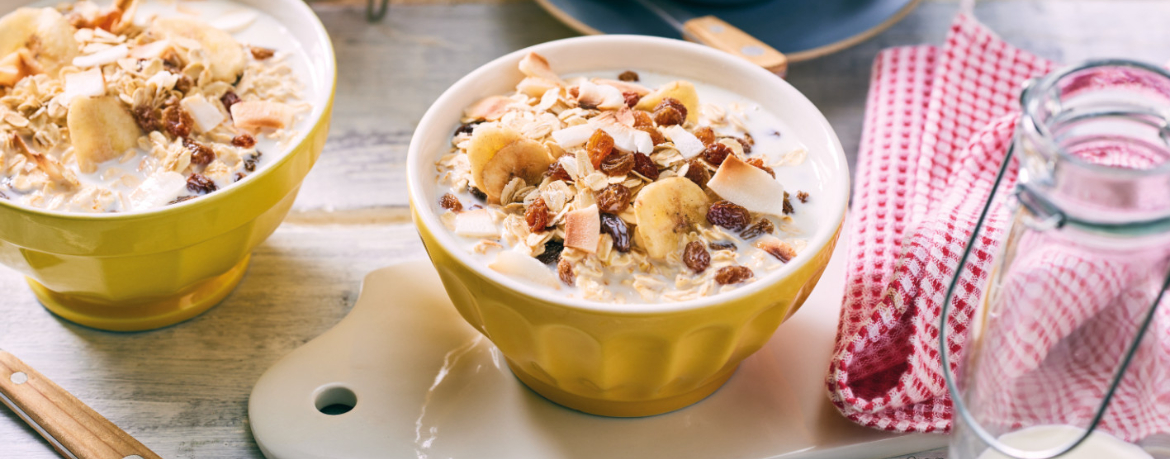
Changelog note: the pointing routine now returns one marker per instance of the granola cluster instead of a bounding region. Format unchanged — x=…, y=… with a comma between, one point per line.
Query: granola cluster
x=99, y=113
x=626, y=192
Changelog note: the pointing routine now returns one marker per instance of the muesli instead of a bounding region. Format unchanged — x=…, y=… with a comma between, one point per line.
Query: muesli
x=135, y=105
x=622, y=188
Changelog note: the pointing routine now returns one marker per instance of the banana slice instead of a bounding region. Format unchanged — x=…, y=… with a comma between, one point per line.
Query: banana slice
x=524, y=158
x=46, y=34
x=227, y=57
x=667, y=210
x=486, y=140
x=683, y=91
x=101, y=130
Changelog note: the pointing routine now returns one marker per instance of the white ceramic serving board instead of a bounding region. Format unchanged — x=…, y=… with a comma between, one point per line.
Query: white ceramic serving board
x=429, y=386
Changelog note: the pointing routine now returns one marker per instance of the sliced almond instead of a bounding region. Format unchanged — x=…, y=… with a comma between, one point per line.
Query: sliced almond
x=490, y=108
x=583, y=229
x=748, y=186
x=255, y=115
x=206, y=115
x=476, y=223
x=522, y=266
x=776, y=248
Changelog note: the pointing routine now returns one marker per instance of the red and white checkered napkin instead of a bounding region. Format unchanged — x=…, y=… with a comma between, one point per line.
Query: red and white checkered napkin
x=938, y=124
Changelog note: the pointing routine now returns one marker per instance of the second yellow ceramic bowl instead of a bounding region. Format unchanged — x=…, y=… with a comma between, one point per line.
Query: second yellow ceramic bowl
x=627, y=359
x=142, y=270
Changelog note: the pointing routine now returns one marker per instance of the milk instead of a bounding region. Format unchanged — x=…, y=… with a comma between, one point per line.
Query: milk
x=1099, y=445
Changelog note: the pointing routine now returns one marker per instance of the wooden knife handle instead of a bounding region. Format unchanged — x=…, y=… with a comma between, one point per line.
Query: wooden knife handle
x=714, y=32
x=61, y=416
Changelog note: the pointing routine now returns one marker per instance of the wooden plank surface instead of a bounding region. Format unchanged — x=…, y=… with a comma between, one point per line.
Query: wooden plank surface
x=183, y=390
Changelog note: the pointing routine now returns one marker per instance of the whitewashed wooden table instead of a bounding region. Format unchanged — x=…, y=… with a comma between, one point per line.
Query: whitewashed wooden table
x=183, y=390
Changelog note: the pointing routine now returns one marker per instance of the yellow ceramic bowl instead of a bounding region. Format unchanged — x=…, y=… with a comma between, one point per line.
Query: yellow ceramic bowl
x=631, y=359
x=143, y=270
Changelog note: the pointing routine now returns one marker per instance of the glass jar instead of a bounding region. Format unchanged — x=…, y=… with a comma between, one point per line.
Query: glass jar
x=1058, y=358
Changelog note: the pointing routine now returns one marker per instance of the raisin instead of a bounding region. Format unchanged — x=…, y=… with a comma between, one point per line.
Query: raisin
x=450, y=202
x=748, y=142
x=802, y=196
x=762, y=227
x=201, y=155
x=670, y=112
x=184, y=84
x=628, y=75
x=200, y=184
x=148, y=118
x=614, y=199
x=536, y=216
x=181, y=199
x=722, y=246
x=729, y=215
x=631, y=98
x=177, y=122
x=467, y=128
x=244, y=141
x=645, y=166
x=696, y=257
x=642, y=119
x=552, y=252
x=250, y=163
x=228, y=99
x=716, y=153
x=787, y=205
x=259, y=53
x=617, y=229
x=556, y=171
x=600, y=145
x=733, y=274
x=565, y=272
x=759, y=163
x=618, y=164
x=698, y=173
x=705, y=135
x=477, y=193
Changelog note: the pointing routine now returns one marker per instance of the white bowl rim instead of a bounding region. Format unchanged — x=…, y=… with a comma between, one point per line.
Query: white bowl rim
x=431, y=123
x=320, y=35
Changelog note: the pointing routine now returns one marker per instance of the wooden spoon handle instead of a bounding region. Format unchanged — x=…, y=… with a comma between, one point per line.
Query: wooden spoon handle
x=61, y=418
x=718, y=34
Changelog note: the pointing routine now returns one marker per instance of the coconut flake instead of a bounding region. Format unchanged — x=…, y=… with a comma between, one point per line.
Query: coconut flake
x=686, y=143
x=89, y=83
x=235, y=21
x=206, y=115
x=476, y=223
x=624, y=86
x=598, y=96
x=103, y=57
x=583, y=229
x=573, y=135
x=158, y=190
x=254, y=115
x=748, y=186
x=522, y=266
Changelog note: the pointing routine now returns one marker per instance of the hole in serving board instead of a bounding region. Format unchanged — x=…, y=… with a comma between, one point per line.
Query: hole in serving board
x=335, y=400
